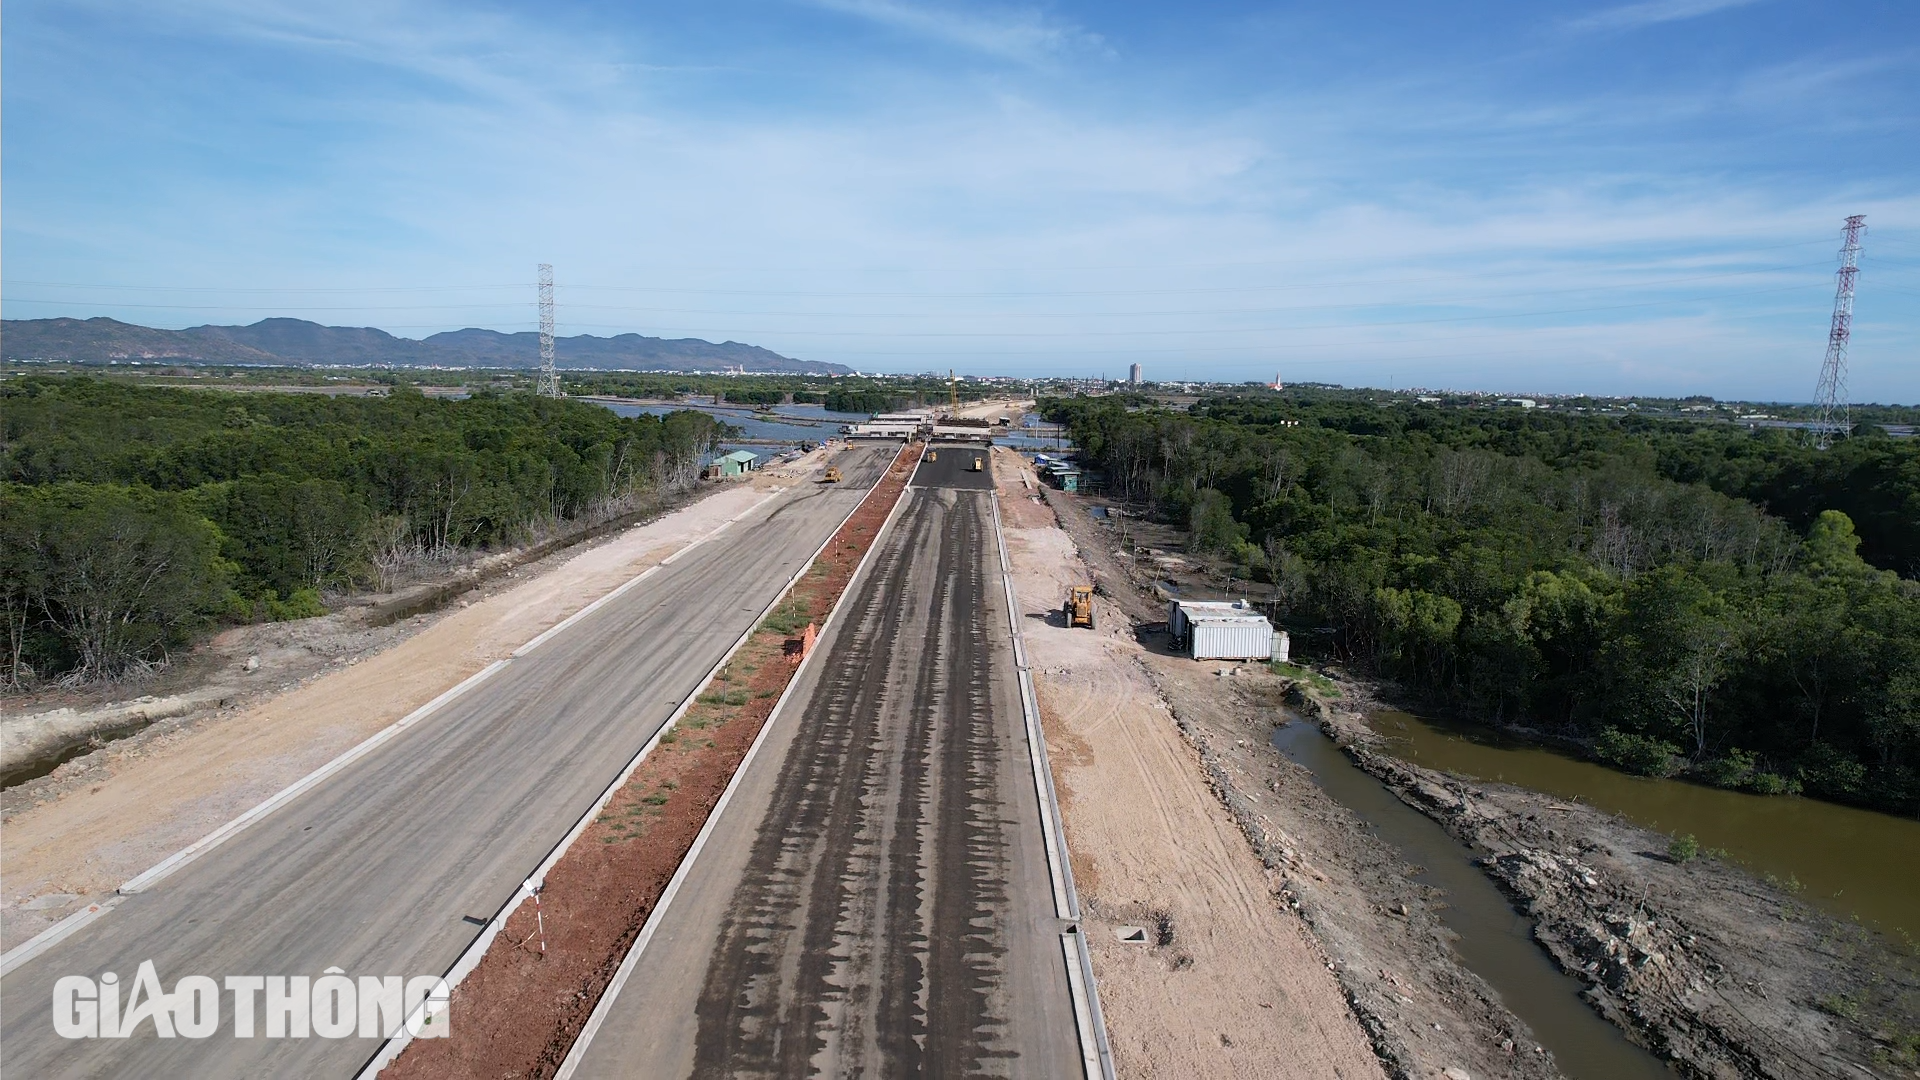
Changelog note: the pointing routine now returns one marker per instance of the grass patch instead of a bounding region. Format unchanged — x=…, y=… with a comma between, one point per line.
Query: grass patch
x=1317, y=682
x=789, y=617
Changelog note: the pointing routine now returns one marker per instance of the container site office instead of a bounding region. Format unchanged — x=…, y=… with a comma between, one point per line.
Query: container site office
x=1219, y=630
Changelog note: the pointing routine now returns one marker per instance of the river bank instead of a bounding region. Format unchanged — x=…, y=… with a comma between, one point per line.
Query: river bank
x=1750, y=980
x=1358, y=902
x=1719, y=972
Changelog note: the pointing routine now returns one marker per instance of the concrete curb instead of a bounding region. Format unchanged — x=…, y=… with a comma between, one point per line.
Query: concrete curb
x=578, y=1051
x=477, y=950
x=1096, y=1051
x=59, y=931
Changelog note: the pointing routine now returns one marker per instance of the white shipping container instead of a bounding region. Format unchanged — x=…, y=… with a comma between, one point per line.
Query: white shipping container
x=1215, y=638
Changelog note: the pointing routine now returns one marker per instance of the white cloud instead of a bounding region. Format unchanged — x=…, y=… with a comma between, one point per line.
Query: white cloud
x=1652, y=12
x=1024, y=35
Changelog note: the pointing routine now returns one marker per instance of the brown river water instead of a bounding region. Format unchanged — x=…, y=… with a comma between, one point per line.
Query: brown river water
x=1849, y=861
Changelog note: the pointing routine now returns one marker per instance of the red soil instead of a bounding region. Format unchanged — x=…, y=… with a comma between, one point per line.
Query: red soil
x=519, y=1011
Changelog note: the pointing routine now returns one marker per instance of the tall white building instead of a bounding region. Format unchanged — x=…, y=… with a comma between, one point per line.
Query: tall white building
x=1133, y=375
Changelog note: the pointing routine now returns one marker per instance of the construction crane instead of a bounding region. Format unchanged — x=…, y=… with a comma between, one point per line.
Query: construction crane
x=953, y=393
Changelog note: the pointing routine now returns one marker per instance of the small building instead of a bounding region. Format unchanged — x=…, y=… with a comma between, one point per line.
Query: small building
x=1219, y=630
x=737, y=463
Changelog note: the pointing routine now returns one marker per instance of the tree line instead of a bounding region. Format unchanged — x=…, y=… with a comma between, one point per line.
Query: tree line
x=133, y=517
x=1683, y=598
x=848, y=394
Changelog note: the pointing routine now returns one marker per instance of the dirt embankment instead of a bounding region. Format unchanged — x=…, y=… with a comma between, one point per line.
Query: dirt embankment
x=1721, y=973
x=1422, y=1008
x=42, y=729
x=1283, y=940
x=320, y=687
x=523, y=1006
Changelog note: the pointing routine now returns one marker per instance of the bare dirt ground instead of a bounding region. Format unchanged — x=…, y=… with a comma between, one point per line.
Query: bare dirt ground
x=1718, y=972
x=1378, y=934
x=1721, y=973
x=100, y=819
x=1228, y=982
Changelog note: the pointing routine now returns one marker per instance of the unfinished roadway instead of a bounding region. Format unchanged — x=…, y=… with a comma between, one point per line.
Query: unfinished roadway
x=392, y=865
x=875, y=899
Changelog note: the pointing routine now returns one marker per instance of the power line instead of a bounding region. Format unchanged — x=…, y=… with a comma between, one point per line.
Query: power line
x=1435, y=302
x=844, y=294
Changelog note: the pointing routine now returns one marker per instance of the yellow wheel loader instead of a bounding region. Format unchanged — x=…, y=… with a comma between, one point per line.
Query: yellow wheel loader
x=1078, y=610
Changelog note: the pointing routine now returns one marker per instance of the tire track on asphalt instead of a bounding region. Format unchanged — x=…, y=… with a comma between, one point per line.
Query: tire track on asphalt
x=868, y=935
x=750, y=1021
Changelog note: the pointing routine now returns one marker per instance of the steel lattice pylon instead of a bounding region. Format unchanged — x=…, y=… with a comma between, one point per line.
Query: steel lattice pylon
x=549, y=378
x=1830, y=397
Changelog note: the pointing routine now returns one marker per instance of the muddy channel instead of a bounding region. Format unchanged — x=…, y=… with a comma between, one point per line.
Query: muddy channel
x=1624, y=961
x=1493, y=939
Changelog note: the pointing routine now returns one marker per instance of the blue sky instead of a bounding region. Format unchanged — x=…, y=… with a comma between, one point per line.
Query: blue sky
x=1558, y=197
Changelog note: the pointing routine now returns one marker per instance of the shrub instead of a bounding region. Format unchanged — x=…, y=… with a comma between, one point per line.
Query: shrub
x=1767, y=783
x=299, y=604
x=1684, y=848
x=1641, y=754
x=1732, y=771
x=1826, y=771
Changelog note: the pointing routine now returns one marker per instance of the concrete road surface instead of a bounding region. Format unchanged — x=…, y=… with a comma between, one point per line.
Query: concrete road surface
x=875, y=899
x=392, y=866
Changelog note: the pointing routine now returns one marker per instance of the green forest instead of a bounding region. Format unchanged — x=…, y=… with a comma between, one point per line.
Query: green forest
x=838, y=393
x=132, y=518
x=1682, y=598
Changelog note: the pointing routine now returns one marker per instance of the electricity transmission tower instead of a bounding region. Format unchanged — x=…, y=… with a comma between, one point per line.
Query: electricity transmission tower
x=1830, y=397
x=549, y=378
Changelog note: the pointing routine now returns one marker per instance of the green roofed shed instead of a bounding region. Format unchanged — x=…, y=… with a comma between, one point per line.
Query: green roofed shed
x=740, y=461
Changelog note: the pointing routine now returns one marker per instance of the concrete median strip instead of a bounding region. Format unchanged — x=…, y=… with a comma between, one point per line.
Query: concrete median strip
x=566, y=876
x=46, y=939
x=477, y=950
x=577, y=1053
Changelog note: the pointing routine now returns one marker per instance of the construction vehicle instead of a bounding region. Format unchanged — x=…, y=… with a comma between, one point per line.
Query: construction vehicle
x=833, y=475
x=977, y=462
x=1078, y=610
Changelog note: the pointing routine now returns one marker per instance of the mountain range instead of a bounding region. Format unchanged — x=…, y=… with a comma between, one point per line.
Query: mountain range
x=274, y=342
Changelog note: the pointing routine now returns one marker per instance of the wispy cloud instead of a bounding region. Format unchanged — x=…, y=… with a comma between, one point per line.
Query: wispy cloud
x=1022, y=34
x=1650, y=13
x=1531, y=225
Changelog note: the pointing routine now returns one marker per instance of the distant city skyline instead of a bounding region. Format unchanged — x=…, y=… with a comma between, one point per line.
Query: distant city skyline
x=1603, y=198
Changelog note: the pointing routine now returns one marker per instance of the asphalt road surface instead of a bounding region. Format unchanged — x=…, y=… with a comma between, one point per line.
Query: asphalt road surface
x=875, y=899
x=392, y=866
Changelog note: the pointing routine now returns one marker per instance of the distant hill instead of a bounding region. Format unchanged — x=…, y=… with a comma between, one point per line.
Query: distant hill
x=297, y=341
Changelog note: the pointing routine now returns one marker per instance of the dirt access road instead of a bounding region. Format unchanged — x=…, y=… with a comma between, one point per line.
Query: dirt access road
x=875, y=900
x=1226, y=981
x=392, y=865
